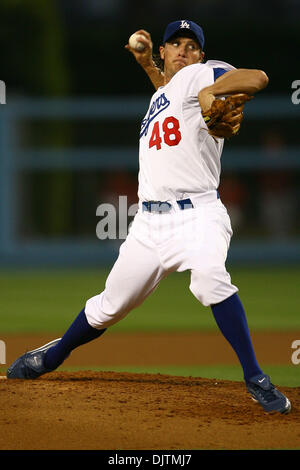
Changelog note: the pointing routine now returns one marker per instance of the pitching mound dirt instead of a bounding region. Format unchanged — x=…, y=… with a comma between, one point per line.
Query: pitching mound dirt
x=109, y=410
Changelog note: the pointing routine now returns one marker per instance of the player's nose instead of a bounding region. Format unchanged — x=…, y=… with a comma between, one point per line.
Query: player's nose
x=182, y=51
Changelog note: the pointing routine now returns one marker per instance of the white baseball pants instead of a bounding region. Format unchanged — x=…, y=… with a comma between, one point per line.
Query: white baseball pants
x=195, y=239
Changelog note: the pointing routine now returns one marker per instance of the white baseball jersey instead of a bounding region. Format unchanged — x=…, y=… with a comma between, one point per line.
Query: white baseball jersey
x=177, y=157
x=178, y=160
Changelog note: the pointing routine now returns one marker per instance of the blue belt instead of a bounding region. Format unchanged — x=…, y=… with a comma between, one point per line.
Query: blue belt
x=164, y=206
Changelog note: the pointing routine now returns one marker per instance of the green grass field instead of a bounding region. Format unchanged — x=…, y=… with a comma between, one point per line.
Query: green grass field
x=48, y=301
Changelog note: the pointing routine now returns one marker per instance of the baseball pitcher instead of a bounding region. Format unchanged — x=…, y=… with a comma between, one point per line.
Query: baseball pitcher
x=181, y=224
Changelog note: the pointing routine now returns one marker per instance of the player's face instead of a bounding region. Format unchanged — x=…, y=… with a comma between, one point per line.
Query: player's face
x=179, y=53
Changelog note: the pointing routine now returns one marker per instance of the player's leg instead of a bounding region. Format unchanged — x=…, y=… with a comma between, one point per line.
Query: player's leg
x=135, y=274
x=80, y=332
x=231, y=319
x=211, y=284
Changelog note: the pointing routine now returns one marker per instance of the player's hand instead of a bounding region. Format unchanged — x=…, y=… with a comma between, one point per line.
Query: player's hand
x=224, y=117
x=144, y=58
x=205, y=99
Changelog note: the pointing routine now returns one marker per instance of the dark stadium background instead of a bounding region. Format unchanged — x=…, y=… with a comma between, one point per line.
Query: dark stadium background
x=56, y=168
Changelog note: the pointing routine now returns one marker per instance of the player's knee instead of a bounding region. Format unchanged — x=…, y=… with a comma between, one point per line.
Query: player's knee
x=211, y=285
x=202, y=286
x=101, y=312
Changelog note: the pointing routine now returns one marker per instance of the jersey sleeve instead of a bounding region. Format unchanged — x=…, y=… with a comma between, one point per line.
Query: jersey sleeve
x=194, y=78
x=219, y=64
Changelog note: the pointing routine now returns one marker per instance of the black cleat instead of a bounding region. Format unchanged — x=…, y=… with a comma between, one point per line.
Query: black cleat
x=31, y=364
x=264, y=392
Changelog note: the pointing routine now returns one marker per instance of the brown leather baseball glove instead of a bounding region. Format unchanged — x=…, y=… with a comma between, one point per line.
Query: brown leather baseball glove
x=224, y=117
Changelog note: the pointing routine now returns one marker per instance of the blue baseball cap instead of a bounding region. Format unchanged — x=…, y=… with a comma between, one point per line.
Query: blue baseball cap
x=182, y=26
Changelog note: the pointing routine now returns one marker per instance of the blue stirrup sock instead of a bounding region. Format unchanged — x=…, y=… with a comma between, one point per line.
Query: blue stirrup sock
x=80, y=332
x=231, y=320
x=229, y=315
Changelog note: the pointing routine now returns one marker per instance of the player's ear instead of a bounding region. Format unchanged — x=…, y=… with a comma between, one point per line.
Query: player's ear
x=202, y=55
x=162, y=52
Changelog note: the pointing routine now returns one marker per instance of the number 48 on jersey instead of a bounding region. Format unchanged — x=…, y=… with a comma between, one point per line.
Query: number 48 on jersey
x=169, y=133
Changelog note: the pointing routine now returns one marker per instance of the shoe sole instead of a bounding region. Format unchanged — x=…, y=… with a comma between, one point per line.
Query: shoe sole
x=285, y=411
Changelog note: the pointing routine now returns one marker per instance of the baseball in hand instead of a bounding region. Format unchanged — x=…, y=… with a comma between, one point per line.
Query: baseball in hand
x=135, y=43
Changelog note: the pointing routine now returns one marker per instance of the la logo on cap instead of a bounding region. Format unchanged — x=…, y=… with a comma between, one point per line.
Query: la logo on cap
x=184, y=24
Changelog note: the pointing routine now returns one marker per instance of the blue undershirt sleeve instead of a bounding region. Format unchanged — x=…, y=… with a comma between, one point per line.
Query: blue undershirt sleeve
x=218, y=71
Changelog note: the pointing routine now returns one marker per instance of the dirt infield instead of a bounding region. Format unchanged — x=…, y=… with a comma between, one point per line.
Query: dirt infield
x=121, y=411
x=140, y=349
x=107, y=410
